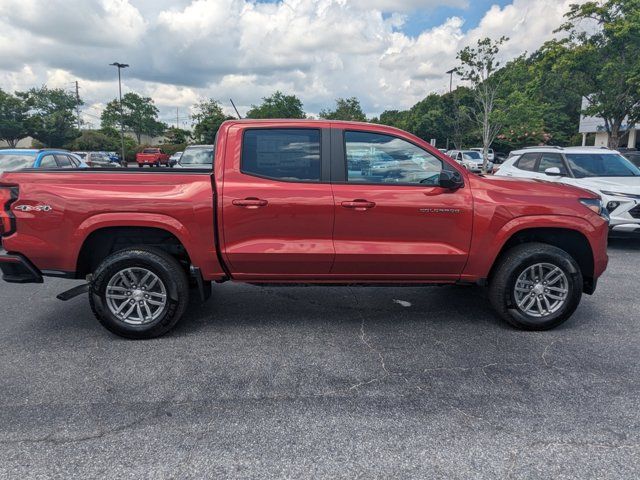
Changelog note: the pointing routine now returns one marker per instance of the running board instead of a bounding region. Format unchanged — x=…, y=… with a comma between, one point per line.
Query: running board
x=74, y=292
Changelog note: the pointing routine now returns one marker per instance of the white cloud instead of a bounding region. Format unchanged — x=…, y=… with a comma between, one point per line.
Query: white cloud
x=241, y=49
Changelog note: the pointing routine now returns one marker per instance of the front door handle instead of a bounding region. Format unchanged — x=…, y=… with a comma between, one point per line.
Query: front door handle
x=359, y=204
x=251, y=203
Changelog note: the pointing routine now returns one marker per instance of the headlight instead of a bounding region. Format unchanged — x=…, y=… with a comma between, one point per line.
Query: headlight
x=596, y=205
x=620, y=194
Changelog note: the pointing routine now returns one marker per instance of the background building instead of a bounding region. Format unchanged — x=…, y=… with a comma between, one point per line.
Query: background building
x=630, y=138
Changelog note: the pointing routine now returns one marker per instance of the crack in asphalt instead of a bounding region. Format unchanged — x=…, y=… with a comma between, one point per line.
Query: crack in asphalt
x=53, y=439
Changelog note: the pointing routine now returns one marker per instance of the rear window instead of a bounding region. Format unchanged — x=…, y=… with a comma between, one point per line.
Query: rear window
x=151, y=150
x=282, y=154
x=15, y=161
x=527, y=162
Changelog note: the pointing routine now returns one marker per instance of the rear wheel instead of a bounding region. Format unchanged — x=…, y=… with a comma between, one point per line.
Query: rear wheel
x=536, y=286
x=139, y=292
x=140, y=165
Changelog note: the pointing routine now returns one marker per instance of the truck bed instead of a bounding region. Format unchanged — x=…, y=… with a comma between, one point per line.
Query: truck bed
x=83, y=202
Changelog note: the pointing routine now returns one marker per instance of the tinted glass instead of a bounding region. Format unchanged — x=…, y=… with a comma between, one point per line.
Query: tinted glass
x=282, y=154
x=376, y=158
x=472, y=156
x=63, y=161
x=194, y=157
x=601, y=165
x=13, y=161
x=527, y=162
x=151, y=150
x=550, y=160
x=48, y=161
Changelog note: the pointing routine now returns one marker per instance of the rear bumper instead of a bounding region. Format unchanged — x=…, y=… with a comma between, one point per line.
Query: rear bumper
x=18, y=269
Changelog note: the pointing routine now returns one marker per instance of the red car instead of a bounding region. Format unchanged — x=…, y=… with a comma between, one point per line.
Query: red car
x=290, y=201
x=154, y=157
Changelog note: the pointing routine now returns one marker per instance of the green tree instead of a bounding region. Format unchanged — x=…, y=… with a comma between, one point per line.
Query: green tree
x=278, y=105
x=603, y=67
x=177, y=136
x=478, y=66
x=139, y=115
x=345, y=109
x=207, y=118
x=14, y=118
x=52, y=119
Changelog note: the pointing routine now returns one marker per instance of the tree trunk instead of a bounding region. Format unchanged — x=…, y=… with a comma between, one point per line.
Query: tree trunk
x=12, y=142
x=614, y=135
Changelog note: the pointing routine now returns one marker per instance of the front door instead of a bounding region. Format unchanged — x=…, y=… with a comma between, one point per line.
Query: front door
x=277, y=203
x=393, y=221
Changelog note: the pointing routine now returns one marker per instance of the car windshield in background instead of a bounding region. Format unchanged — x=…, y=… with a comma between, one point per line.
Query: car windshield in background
x=601, y=165
x=197, y=157
x=150, y=150
x=472, y=156
x=15, y=161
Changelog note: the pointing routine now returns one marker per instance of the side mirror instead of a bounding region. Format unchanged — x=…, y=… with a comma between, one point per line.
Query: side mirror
x=450, y=180
x=553, y=172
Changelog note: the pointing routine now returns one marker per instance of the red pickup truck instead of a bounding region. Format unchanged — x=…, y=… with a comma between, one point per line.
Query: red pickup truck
x=154, y=157
x=289, y=202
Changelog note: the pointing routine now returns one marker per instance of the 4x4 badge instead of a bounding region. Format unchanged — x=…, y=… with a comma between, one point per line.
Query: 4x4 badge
x=33, y=208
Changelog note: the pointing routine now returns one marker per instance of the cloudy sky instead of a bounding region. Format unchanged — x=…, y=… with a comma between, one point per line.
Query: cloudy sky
x=388, y=53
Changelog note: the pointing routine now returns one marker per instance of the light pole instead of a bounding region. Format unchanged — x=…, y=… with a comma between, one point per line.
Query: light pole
x=121, y=66
x=450, y=73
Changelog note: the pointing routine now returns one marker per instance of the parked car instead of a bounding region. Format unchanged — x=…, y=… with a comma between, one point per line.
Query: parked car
x=19, y=158
x=490, y=154
x=470, y=159
x=153, y=157
x=196, y=156
x=175, y=158
x=99, y=160
x=602, y=171
x=278, y=208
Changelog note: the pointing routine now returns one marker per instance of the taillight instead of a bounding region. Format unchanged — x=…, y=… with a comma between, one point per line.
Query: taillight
x=8, y=195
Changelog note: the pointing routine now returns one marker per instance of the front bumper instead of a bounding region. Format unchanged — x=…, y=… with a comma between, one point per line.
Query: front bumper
x=18, y=269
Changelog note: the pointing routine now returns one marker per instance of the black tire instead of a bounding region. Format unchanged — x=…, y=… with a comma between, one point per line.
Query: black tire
x=140, y=165
x=514, y=262
x=165, y=267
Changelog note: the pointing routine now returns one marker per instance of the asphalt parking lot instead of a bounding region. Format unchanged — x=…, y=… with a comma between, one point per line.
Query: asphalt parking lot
x=324, y=382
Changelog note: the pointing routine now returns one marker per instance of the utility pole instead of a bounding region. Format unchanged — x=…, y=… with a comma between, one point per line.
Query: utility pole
x=78, y=104
x=120, y=67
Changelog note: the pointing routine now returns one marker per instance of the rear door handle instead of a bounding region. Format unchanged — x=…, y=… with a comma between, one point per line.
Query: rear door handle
x=250, y=203
x=359, y=204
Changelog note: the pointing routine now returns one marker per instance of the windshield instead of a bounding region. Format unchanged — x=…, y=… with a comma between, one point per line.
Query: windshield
x=601, y=165
x=150, y=150
x=472, y=156
x=15, y=161
x=197, y=156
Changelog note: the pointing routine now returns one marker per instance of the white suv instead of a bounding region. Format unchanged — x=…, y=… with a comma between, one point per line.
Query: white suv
x=491, y=156
x=600, y=170
x=470, y=159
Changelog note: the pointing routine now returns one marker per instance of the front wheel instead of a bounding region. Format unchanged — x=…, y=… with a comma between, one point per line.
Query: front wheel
x=536, y=286
x=139, y=292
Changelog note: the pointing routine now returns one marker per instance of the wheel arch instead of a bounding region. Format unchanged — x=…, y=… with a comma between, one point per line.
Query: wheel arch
x=102, y=238
x=569, y=239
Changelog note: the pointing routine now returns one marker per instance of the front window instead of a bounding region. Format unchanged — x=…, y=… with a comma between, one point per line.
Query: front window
x=601, y=165
x=377, y=158
x=15, y=161
x=472, y=156
x=197, y=157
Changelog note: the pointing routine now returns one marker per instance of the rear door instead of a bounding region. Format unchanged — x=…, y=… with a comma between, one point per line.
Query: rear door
x=277, y=203
x=393, y=221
